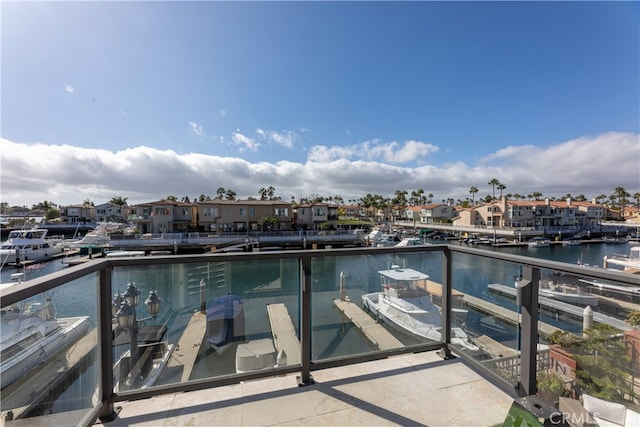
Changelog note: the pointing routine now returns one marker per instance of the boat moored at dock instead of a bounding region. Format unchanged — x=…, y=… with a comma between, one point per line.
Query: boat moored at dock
x=28, y=245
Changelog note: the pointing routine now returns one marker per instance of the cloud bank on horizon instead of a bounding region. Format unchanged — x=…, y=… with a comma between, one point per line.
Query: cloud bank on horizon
x=66, y=174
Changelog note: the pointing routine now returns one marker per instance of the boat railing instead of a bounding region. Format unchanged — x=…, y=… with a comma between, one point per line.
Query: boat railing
x=299, y=279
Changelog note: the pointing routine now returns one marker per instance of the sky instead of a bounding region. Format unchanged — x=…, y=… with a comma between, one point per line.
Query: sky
x=149, y=99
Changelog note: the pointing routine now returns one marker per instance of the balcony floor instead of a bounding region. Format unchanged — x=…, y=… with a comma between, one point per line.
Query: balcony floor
x=413, y=389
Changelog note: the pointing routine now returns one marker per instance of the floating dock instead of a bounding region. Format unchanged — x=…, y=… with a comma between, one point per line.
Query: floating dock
x=284, y=334
x=371, y=329
x=559, y=306
x=184, y=356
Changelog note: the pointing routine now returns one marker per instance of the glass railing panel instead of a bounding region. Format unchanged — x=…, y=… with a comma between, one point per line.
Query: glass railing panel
x=484, y=305
x=594, y=350
x=375, y=302
x=219, y=314
x=49, y=354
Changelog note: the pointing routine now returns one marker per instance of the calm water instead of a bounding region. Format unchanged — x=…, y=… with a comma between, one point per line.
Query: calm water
x=261, y=283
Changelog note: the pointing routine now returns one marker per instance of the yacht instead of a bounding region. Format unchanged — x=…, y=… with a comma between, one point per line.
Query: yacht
x=408, y=308
x=567, y=292
x=28, y=245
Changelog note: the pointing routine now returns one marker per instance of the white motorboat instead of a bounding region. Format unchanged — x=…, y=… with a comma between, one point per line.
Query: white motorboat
x=28, y=245
x=31, y=335
x=539, y=242
x=567, y=292
x=572, y=241
x=154, y=353
x=629, y=263
x=407, y=307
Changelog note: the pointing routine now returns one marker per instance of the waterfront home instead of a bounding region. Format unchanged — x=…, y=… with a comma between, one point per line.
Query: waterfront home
x=163, y=216
x=244, y=215
x=316, y=216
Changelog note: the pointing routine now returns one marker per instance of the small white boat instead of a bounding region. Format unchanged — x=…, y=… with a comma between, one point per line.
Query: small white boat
x=126, y=254
x=572, y=241
x=539, y=242
x=28, y=245
x=31, y=335
x=408, y=308
x=567, y=292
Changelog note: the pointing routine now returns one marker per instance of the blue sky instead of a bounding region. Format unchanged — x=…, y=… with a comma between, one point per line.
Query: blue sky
x=147, y=99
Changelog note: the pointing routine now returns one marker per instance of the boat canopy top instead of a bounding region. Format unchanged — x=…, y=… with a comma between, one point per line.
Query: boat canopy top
x=406, y=274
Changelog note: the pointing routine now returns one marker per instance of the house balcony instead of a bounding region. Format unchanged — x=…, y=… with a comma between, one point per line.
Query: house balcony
x=299, y=347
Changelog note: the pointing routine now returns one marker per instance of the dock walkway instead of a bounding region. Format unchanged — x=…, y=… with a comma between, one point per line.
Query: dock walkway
x=371, y=329
x=185, y=355
x=284, y=334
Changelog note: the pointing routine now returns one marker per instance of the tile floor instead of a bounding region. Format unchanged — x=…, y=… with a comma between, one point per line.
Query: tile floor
x=407, y=390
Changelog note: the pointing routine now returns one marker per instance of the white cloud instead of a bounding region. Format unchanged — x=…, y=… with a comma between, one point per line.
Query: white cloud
x=197, y=129
x=392, y=152
x=68, y=88
x=285, y=138
x=245, y=142
x=587, y=165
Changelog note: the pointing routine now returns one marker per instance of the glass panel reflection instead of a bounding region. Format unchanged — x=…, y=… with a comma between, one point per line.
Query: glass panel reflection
x=215, y=318
x=49, y=353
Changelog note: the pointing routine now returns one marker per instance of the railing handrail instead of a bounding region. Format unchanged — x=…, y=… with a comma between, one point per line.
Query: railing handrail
x=104, y=267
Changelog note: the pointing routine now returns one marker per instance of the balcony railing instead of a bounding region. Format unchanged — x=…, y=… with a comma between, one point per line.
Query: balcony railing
x=286, y=312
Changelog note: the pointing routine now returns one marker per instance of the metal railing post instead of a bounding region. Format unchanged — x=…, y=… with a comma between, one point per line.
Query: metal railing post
x=445, y=352
x=305, y=377
x=105, y=343
x=527, y=298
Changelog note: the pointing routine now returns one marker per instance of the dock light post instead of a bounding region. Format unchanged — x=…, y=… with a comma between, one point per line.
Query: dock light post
x=123, y=309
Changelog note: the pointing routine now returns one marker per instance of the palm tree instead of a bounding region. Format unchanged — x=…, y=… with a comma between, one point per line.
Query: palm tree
x=493, y=184
x=622, y=195
x=230, y=194
x=220, y=193
x=473, y=190
x=171, y=198
x=118, y=201
x=501, y=187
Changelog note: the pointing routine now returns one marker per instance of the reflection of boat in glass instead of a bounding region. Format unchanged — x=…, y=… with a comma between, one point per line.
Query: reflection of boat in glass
x=225, y=322
x=407, y=307
x=154, y=352
x=31, y=335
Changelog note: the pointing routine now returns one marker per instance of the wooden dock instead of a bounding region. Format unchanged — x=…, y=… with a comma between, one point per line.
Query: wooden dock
x=26, y=393
x=371, y=329
x=185, y=355
x=284, y=334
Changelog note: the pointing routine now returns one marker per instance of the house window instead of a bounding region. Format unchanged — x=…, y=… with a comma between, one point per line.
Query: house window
x=161, y=211
x=243, y=212
x=212, y=212
x=252, y=211
x=186, y=211
x=281, y=212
